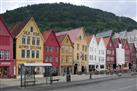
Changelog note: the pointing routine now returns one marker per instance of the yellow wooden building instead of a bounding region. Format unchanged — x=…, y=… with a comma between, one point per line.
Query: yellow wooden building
x=66, y=54
x=28, y=43
x=78, y=38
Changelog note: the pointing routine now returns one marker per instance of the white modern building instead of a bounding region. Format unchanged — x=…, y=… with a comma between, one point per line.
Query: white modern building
x=120, y=55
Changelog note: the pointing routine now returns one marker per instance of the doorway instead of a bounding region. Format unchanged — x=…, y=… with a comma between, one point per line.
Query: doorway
x=3, y=72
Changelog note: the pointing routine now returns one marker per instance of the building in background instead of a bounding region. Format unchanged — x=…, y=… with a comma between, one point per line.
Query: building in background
x=78, y=38
x=133, y=56
x=51, y=50
x=7, y=63
x=66, y=54
x=28, y=43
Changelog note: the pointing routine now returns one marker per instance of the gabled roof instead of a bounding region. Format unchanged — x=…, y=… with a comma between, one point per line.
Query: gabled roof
x=123, y=41
x=98, y=40
x=106, y=41
x=16, y=29
x=116, y=42
x=105, y=34
x=132, y=45
x=2, y=20
x=60, y=38
x=88, y=39
x=73, y=33
x=46, y=35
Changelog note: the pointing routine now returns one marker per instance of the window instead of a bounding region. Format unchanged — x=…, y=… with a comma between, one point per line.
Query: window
x=62, y=49
x=50, y=58
x=77, y=46
x=46, y=60
x=31, y=29
x=7, y=55
x=102, y=66
x=33, y=40
x=63, y=59
x=33, y=54
x=85, y=57
x=1, y=54
x=83, y=48
x=56, y=59
x=37, y=54
x=28, y=53
x=38, y=41
x=23, y=39
x=57, y=49
x=95, y=58
x=77, y=56
x=47, y=49
x=50, y=49
x=28, y=40
x=23, y=53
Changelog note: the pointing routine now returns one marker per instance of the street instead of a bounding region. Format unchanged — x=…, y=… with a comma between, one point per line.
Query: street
x=125, y=84
x=122, y=84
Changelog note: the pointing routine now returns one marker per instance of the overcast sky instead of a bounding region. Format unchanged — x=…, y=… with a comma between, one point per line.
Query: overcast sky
x=126, y=8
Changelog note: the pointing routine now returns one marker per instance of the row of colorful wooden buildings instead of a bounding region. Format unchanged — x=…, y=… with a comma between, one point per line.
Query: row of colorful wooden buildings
x=73, y=49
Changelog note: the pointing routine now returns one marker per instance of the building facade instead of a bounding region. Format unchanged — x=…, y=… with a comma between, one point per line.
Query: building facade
x=101, y=54
x=28, y=43
x=51, y=50
x=126, y=47
x=110, y=54
x=93, y=53
x=78, y=38
x=7, y=63
x=66, y=54
x=133, y=56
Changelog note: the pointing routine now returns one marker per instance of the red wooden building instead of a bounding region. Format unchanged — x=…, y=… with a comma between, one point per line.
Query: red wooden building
x=126, y=47
x=133, y=55
x=110, y=54
x=51, y=49
x=7, y=64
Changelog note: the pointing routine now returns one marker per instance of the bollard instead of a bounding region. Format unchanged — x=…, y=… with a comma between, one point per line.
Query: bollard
x=90, y=77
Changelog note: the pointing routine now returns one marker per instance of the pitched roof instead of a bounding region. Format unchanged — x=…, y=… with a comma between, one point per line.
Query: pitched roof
x=2, y=20
x=123, y=41
x=88, y=39
x=116, y=42
x=98, y=40
x=106, y=41
x=16, y=29
x=105, y=34
x=46, y=35
x=73, y=33
x=132, y=46
x=60, y=38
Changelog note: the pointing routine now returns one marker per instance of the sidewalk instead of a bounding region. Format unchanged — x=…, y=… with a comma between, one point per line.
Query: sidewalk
x=75, y=80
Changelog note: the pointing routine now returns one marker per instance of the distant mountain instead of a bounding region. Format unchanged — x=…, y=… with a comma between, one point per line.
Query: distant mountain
x=66, y=16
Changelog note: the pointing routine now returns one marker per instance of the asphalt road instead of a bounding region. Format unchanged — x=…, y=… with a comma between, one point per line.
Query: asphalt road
x=123, y=84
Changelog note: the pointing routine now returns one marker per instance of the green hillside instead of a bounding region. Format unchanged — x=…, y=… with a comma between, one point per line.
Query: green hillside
x=66, y=16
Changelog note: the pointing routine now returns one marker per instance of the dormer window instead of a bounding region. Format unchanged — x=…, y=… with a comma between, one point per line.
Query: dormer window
x=31, y=29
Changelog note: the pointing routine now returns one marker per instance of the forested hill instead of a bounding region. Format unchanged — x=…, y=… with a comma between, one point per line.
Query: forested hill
x=66, y=16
